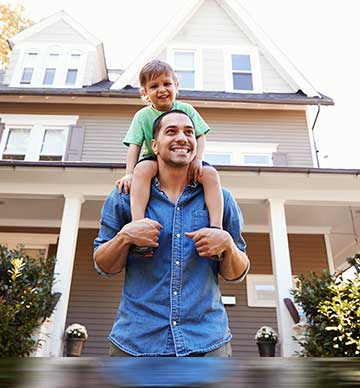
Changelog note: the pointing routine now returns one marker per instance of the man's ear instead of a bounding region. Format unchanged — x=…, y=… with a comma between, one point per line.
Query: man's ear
x=154, y=146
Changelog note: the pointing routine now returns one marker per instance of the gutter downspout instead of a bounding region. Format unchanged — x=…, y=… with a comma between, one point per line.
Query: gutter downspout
x=313, y=136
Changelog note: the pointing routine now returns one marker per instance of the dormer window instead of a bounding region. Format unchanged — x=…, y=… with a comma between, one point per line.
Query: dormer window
x=30, y=61
x=73, y=69
x=52, y=64
x=242, y=71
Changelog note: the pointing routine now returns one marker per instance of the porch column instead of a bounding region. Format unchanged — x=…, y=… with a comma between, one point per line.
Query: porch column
x=63, y=269
x=280, y=257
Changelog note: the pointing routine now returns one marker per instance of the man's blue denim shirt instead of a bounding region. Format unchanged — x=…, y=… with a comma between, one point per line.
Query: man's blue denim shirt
x=171, y=303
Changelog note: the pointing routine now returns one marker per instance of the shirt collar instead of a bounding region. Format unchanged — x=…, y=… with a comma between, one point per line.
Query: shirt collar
x=192, y=185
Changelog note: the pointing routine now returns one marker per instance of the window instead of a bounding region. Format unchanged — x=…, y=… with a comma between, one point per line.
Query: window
x=73, y=67
x=33, y=244
x=35, y=137
x=238, y=154
x=30, y=61
x=242, y=69
x=241, y=72
x=16, y=143
x=50, y=70
x=53, y=145
x=184, y=66
x=71, y=77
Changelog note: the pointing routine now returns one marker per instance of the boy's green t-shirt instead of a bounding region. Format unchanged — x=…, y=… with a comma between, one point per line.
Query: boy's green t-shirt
x=140, y=130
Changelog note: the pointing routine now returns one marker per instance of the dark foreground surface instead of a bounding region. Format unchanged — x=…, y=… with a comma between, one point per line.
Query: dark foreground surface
x=185, y=372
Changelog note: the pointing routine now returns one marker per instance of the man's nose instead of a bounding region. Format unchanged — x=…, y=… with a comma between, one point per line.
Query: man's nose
x=181, y=136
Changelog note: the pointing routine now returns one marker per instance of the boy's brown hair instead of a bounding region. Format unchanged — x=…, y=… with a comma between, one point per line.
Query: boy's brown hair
x=153, y=69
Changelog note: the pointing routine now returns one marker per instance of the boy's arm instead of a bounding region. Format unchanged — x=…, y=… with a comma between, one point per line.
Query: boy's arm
x=131, y=160
x=201, y=142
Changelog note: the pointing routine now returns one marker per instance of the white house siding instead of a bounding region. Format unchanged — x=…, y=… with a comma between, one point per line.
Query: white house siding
x=213, y=69
x=57, y=33
x=104, y=135
x=211, y=27
x=15, y=54
x=286, y=128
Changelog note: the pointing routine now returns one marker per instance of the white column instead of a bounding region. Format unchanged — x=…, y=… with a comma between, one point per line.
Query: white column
x=280, y=256
x=63, y=269
x=329, y=253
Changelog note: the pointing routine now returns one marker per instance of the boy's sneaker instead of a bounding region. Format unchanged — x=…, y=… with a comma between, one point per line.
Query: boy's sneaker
x=142, y=251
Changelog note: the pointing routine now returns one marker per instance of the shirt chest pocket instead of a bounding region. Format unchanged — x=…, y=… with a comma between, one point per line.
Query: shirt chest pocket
x=200, y=219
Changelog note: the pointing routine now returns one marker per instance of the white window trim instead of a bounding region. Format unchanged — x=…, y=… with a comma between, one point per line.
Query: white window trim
x=268, y=280
x=197, y=62
x=43, y=51
x=37, y=124
x=238, y=150
x=28, y=240
x=255, y=67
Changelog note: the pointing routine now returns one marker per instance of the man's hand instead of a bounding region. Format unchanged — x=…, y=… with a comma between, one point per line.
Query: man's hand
x=195, y=170
x=210, y=242
x=124, y=182
x=142, y=233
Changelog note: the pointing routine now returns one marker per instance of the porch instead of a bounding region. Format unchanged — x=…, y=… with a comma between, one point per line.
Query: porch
x=296, y=221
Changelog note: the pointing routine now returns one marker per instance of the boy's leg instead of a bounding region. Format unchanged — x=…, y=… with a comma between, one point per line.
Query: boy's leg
x=140, y=187
x=213, y=195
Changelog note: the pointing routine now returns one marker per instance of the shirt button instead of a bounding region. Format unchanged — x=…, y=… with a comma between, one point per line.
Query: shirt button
x=175, y=293
x=174, y=323
x=178, y=208
x=177, y=262
x=177, y=235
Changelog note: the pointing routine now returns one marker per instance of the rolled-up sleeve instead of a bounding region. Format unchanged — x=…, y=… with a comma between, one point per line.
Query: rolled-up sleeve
x=233, y=223
x=113, y=218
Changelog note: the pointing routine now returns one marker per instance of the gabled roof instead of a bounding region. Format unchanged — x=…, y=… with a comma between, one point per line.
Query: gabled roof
x=42, y=24
x=238, y=14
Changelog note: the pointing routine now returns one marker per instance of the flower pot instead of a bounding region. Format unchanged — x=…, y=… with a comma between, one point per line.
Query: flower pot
x=74, y=346
x=266, y=349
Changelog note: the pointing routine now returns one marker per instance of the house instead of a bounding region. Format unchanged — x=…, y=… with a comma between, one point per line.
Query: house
x=61, y=130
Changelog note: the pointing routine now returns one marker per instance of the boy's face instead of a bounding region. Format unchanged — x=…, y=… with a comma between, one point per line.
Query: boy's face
x=161, y=91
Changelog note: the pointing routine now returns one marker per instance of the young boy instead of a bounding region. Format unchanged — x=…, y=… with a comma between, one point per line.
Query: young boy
x=159, y=86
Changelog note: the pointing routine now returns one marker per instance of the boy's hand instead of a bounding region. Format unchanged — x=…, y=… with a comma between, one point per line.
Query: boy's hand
x=124, y=182
x=195, y=170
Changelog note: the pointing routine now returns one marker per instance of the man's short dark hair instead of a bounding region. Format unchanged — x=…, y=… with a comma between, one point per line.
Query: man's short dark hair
x=157, y=122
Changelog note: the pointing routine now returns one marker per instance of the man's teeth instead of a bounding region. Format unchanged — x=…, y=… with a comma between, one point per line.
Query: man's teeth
x=181, y=150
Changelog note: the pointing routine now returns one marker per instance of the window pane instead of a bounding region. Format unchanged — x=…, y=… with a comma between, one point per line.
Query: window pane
x=49, y=76
x=241, y=62
x=224, y=159
x=184, y=61
x=186, y=79
x=242, y=81
x=17, y=141
x=53, y=142
x=257, y=159
x=27, y=75
x=71, y=77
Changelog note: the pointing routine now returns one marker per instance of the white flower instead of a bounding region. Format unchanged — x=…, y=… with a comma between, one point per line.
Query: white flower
x=76, y=331
x=266, y=334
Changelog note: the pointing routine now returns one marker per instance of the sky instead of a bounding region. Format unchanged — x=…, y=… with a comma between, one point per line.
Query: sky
x=319, y=36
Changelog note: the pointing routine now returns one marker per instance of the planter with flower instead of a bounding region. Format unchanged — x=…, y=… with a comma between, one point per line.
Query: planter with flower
x=266, y=339
x=75, y=337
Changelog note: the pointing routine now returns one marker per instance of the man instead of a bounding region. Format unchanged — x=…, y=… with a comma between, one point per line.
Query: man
x=171, y=303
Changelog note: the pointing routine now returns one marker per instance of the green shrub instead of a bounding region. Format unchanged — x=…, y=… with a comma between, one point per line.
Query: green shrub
x=25, y=300
x=332, y=310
